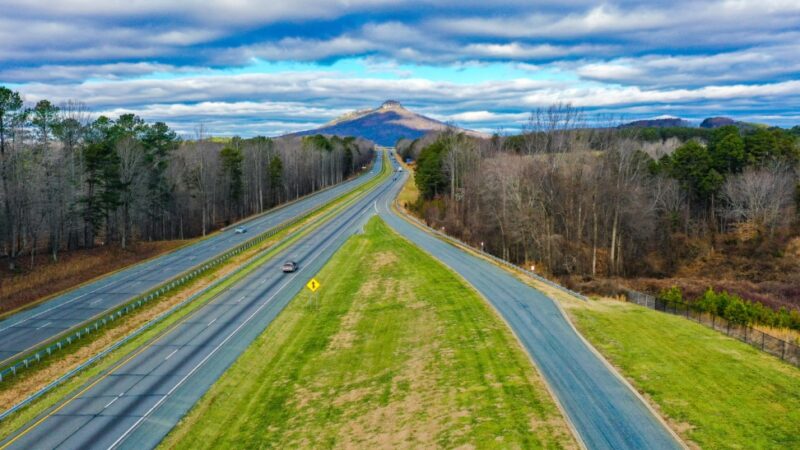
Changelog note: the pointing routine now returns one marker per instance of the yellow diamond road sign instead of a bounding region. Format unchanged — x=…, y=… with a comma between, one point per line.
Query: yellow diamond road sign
x=313, y=285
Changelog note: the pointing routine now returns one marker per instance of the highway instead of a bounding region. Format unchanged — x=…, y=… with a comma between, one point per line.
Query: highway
x=604, y=412
x=136, y=404
x=30, y=328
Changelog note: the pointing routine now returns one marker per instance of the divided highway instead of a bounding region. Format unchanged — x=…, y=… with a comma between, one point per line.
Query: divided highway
x=605, y=413
x=136, y=404
x=30, y=328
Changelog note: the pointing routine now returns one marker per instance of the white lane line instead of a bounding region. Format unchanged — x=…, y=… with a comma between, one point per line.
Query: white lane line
x=240, y=299
x=44, y=325
x=170, y=355
x=224, y=341
x=209, y=323
x=94, y=302
x=113, y=400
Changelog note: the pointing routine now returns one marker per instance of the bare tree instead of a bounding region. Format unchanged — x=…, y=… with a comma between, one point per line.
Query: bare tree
x=758, y=196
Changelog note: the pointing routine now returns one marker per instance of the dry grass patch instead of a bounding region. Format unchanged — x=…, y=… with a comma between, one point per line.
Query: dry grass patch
x=18, y=289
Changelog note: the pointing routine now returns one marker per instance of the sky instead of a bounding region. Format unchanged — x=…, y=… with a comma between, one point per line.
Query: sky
x=244, y=67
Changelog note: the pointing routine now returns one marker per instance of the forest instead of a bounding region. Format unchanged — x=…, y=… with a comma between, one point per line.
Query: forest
x=69, y=180
x=597, y=205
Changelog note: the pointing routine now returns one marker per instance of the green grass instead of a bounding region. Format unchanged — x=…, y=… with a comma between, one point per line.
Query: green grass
x=398, y=353
x=716, y=391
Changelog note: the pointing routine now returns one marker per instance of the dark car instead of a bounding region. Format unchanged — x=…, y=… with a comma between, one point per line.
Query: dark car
x=289, y=266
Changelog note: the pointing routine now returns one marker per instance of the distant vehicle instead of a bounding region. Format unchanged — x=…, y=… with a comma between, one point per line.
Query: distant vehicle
x=399, y=169
x=289, y=266
x=241, y=230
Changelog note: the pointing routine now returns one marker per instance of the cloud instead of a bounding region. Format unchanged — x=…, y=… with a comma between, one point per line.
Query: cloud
x=254, y=67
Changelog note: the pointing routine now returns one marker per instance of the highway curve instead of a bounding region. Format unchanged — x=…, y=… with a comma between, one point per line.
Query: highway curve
x=604, y=411
x=31, y=327
x=138, y=402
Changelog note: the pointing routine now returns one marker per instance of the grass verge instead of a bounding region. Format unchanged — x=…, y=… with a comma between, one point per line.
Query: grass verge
x=19, y=388
x=715, y=391
x=399, y=353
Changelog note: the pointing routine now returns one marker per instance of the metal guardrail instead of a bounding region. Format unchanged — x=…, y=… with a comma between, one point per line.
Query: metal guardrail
x=494, y=258
x=96, y=324
x=767, y=343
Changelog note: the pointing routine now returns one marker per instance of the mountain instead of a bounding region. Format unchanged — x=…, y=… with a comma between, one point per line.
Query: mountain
x=384, y=125
x=717, y=122
x=659, y=122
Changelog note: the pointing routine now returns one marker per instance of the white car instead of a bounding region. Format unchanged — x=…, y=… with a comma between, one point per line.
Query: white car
x=241, y=230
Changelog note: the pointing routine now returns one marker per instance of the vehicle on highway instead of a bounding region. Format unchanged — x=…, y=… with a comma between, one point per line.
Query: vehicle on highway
x=241, y=230
x=289, y=266
x=399, y=169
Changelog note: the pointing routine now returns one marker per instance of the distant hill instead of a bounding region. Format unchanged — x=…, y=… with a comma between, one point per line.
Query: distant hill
x=384, y=125
x=661, y=122
x=717, y=122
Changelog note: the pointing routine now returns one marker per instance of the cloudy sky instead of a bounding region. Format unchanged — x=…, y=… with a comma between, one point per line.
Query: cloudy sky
x=266, y=67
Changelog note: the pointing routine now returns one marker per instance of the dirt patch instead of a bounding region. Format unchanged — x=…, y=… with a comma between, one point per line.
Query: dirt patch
x=384, y=259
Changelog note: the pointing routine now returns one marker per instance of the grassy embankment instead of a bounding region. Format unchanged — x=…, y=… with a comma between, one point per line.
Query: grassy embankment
x=399, y=353
x=12, y=391
x=715, y=391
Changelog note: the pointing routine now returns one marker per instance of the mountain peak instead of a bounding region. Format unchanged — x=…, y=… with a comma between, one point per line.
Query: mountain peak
x=383, y=125
x=391, y=104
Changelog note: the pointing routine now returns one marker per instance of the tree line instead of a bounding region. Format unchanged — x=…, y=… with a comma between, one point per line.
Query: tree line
x=69, y=181
x=602, y=201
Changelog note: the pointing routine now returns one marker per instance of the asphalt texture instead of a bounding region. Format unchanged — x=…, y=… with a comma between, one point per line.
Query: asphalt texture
x=137, y=403
x=29, y=328
x=604, y=411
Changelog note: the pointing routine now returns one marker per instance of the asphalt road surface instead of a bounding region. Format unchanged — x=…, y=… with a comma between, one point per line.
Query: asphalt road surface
x=29, y=328
x=604, y=411
x=137, y=404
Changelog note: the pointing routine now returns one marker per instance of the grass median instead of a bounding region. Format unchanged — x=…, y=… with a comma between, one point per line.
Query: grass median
x=397, y=353
x=715, y=391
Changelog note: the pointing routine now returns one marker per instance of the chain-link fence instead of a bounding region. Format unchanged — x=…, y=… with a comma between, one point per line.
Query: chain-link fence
x=784, y=350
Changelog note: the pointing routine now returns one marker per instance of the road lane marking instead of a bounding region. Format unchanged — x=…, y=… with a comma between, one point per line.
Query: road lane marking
x=44, y=325
x=209, y=323
x=170, y=355
x=113, y=400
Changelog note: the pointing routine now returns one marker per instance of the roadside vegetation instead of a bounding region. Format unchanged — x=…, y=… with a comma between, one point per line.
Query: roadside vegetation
x=22, y=287
x=398, y=352
x=610, y=207
x=715, y=391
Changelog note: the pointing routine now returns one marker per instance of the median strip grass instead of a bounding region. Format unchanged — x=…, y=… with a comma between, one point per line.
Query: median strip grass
x=717, y=392
x=277, y=243
x=398, y=352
